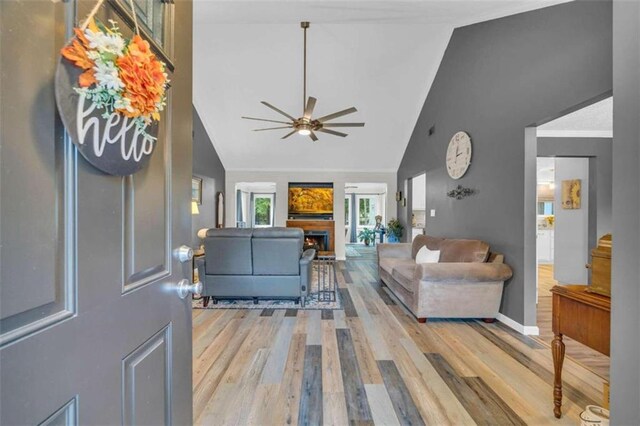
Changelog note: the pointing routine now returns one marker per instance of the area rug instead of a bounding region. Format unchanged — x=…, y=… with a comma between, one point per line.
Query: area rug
x=311, y=303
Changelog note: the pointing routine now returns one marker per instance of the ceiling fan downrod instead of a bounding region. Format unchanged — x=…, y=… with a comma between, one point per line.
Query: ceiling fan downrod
x=304, y=25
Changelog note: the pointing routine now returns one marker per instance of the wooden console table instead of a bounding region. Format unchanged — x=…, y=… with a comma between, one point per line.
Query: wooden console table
x=582, y=316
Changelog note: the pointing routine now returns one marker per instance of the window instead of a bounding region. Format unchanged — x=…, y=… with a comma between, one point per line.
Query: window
x=545, y=208
x=367, y=211
x=151, y=15
x=263, y=210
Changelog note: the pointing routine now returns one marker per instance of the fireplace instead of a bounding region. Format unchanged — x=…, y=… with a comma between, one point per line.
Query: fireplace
x=317, y=232
x=318, y=240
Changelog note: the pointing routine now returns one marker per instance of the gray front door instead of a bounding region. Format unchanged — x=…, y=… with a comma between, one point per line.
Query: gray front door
x=91, y=328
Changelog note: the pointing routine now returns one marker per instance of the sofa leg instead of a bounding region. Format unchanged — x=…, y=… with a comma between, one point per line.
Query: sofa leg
x=489, y=320
x=422, y=320
x=205, y=301
x=255, y=300
x=302, y=300
x=214, y=300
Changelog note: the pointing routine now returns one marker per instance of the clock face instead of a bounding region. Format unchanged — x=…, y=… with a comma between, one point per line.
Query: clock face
x=459, y=155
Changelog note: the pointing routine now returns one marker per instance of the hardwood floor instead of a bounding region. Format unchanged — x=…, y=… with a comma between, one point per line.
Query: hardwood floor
x=372, y=363
x=590, y=358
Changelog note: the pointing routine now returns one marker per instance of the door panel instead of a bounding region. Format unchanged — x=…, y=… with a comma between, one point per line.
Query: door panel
x=146, y=222
x=36, y=289
x=146, y=374
x=92, y=329
x=65, y=416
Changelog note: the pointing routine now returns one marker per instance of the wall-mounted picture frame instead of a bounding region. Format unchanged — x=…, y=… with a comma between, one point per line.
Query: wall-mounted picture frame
x=196, y=189
x=571, y=194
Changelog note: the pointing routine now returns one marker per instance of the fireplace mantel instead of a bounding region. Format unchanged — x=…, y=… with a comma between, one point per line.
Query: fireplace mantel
x=316, y=225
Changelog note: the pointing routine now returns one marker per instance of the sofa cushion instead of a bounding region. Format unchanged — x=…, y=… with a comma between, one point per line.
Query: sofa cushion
x=228, y=252
x=389, y=263
x=432, y=243
x=230, y=232
x=276, y=256
x=463, y=251
x=404, y=275
x=277, y=251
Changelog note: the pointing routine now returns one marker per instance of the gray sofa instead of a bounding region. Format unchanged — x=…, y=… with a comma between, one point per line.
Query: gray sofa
x=260, y=263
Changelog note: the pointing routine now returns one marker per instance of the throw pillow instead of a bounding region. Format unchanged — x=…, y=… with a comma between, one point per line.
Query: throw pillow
x=425, y=255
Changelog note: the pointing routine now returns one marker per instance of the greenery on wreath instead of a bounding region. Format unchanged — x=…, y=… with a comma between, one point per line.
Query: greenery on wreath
x=119, y=75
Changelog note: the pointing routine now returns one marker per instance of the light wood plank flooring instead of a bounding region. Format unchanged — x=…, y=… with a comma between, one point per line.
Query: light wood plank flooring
x=590, y=358
x=372, y=363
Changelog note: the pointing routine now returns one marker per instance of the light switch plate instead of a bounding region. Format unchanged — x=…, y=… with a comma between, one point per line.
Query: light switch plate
x=433, y=213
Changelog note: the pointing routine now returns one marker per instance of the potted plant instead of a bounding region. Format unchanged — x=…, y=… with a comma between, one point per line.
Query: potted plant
x=394, y=231
x=366, y=235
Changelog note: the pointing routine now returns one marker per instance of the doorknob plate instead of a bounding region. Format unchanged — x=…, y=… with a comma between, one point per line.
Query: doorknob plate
x=186, y=288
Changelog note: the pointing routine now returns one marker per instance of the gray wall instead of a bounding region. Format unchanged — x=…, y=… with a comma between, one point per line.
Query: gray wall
x=625, y=312
x=600, y=151
x=207, y=165
x=571, y=247
x=497, y=78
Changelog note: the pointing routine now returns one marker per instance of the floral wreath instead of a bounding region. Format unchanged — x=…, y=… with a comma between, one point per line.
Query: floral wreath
x=119, y=75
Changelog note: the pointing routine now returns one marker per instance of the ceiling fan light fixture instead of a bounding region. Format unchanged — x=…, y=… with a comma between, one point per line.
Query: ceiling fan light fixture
x=304, y=130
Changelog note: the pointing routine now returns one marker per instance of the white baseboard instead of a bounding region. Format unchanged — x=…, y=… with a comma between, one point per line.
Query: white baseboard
x=527, y=330
x=341, y=258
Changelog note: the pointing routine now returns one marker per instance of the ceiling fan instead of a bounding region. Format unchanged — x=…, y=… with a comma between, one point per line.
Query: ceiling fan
x=306, y=125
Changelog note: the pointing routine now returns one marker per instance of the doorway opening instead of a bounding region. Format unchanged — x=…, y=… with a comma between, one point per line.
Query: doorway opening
x=365, y=216
x=255, y=204
x=572, y=210
x=418, y=205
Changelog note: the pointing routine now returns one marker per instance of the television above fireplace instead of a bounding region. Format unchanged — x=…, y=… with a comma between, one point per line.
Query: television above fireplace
x=310, y=200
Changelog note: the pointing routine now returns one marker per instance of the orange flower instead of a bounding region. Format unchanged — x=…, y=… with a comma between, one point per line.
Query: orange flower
x=76, y=52
x=143, y=77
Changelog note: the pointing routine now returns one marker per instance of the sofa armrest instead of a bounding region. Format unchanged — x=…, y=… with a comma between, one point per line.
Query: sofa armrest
x=463, y=271
x=396, y=250
x=306, y=270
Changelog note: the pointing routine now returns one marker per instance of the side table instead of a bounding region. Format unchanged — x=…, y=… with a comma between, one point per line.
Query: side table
x=325, y=262
x=197, y=254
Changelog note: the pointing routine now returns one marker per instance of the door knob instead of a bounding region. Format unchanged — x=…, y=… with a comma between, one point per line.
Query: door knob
x=184, y=253
x=185, y=288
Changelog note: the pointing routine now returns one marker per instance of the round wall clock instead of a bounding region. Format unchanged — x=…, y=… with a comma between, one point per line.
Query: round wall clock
x=459, y=155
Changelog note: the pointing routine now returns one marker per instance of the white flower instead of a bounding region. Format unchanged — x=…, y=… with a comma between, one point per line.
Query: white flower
x=107, y=75
x=105, y=43
x=122, y=102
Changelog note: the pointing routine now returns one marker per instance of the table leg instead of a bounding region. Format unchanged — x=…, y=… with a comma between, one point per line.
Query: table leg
x=557, y=349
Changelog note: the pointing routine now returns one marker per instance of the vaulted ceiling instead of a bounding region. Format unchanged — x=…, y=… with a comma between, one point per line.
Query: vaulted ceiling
x=380, y=57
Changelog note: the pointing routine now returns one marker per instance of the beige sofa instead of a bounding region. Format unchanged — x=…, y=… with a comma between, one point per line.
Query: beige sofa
x=466, y=283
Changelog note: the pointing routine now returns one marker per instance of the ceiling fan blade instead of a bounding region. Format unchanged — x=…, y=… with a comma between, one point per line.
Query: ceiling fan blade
x=332, y=132
x=289, y=134
x=264, y=119
x=313, y=136
x=278, y=110
x=273, y=128
x=337, y=114
x=343, y=125
x=311, y=104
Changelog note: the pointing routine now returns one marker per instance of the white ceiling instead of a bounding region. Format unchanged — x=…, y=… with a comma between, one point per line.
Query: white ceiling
x=380, y=57
x=595, y=120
